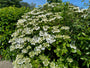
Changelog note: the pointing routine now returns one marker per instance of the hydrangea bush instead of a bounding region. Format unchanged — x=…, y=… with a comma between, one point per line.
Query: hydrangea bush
x=43, y=40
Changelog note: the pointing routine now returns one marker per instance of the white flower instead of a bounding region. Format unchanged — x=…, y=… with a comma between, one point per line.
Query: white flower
x=36, y=28
x=55, y=30
x=30, y=19
x=65, y=28
x=42, y=57
x=28, y=47
x=19, y=40
x=12, y=48
x=26, y=60
x=20, y=61
x=24, y=16
x=70, y=60
x=36, y=39
x=37, y=52
x=55, y=27
x=52, y=65
x=21, y=21
x=46, y=62
x=49, y=13
x=43, y=48
x=52, y=19
x=19, y=56
x=46, y=44
x=66, y=36
x=19, y=46
x=46, y=35
x=41, y=33
x=76, y=8
x=36, y=49
x=39, y=40
x=27, y=31
x=44, y=19
x=45, y=28
x=24, y=51
x=59, y=36
x=80, y=11
x=73, y=46
x=40, y=46
x=28, y=65
x=32, y=42
x=40, y=16
x=58, y=17
x=50, y=40
x=14, y=34
x=31, y=54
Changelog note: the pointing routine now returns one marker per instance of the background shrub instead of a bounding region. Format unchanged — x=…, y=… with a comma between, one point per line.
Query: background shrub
x=54, y=36
x=8, y=19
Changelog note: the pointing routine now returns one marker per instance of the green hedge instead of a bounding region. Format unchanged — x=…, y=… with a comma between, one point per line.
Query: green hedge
x=8, y=19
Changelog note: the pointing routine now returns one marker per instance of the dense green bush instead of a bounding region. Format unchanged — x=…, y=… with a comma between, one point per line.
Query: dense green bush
x=55, y=36
x=8, y=19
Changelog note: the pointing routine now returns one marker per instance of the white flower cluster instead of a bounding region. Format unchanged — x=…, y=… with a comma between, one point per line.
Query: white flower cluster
x=65, y=28
x=62, y=36
x=46, y=62
x=77, y=9
x=22, y=62
x=31, y=30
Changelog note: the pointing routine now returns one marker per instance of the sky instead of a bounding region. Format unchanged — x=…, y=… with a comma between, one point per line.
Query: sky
x=75, y=2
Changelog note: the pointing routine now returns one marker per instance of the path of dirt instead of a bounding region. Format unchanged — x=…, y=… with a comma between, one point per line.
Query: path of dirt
x=5, y=64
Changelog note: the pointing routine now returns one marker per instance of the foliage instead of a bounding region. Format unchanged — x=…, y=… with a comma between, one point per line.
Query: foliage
x=25, y=4
x=55, y=36
x=7, y=3
x=8, y=19
x=50, y=1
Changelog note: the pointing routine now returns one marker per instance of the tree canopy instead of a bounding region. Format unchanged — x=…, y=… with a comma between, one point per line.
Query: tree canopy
x=6, y=3
x=25, y=4
x=50, y=1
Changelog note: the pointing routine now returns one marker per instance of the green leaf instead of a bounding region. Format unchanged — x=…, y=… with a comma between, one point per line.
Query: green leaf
x=78, y=52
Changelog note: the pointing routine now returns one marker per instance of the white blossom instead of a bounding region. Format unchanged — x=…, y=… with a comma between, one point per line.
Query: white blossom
x=66, y=37
x=43, y=48
x=59, y=36
x=31, y=54
x=55, y=30
x=73, y=46
x=21, y=21
x=46, y=45
x=12, y=48
x=46, y=62
x=65, y=28
x=41, y=33
x=45, y=28
x=36, y=28
x=24, y=51
x=52, y=65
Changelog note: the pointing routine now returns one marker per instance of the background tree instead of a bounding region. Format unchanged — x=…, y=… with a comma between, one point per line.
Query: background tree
x=50, y=1
x=6, y=3
x=32, y=5
x=27, y=5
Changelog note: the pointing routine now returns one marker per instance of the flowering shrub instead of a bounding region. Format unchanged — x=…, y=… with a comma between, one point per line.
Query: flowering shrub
x=44, y=40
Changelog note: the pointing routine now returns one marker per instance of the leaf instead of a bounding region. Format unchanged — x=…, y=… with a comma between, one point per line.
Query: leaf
x=78, y=52
x=83, y=34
